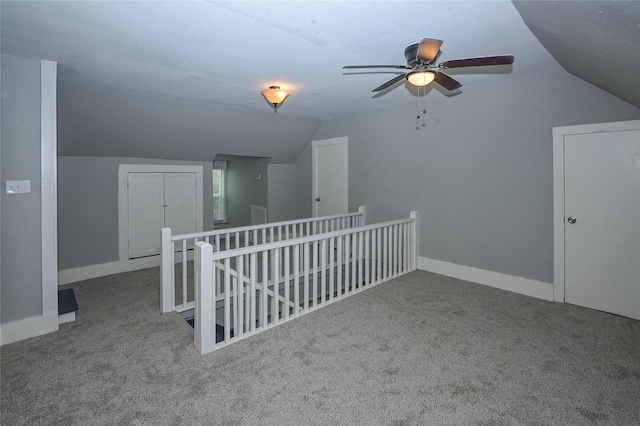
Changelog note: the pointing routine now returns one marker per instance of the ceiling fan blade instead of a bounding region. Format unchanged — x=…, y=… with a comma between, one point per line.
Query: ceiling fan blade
x=447, y=82
x=389, y=83
x=428, y=49
x=478, y=62
x=350, y=67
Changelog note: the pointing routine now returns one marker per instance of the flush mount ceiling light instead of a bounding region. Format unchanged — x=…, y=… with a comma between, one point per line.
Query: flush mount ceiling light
x=420, y=78
x=275, y=96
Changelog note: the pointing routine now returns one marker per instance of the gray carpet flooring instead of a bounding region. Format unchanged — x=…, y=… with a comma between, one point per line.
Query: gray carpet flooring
x=422, y=349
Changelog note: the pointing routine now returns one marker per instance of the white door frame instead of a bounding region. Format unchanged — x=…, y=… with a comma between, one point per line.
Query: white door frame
x=558, y=191
x=315, y=145
x=123, y=199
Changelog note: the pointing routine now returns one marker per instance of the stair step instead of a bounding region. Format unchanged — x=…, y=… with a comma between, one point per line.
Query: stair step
x=67, y=306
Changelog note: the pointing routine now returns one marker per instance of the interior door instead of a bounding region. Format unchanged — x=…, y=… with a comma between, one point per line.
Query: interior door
x=602, y=221
x=330, y=176
x=180, y=202
x=146, y=215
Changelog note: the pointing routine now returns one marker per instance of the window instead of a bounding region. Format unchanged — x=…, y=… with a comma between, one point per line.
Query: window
x=219, y=192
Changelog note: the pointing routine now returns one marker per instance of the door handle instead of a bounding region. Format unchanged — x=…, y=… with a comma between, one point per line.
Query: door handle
x=571, y=219
x=318, y=199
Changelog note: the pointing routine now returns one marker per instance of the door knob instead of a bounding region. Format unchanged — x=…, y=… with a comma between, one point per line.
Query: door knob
x=571, y=219
x=318, y=199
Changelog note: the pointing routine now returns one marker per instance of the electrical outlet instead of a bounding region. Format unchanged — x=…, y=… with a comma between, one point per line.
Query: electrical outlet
x=18, y=186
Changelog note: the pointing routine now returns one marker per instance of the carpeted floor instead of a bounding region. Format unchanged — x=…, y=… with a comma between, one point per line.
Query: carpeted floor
x=422, y=349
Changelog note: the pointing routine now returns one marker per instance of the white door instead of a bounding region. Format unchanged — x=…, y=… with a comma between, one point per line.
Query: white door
x=180, y=202
x=330, y=176
x=602, y=221
x=158, y=200
x=145, y=199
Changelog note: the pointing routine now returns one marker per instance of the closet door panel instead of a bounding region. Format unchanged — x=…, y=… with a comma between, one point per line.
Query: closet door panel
x=145, y=198
x=180, y=202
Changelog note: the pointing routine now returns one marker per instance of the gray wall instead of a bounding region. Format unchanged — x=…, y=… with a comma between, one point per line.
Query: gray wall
x=479, y=172
x=88, y=207
x=21, y=290
x=282, y=192
x=243, y=189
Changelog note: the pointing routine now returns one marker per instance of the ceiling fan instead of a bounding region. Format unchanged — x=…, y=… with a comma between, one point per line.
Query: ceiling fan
x=422, y=69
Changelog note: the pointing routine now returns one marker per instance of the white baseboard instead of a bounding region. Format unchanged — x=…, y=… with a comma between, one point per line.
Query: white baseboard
x=526, y=286
x=15, y=331
x=73, y=275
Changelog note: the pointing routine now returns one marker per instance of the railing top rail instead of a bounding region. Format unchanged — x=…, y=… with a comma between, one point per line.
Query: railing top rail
x=302, y=240
x=261, y=226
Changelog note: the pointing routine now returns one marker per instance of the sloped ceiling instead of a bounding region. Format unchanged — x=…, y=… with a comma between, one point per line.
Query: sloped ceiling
x=598, y=41
x=226, y=52
x=223, y=53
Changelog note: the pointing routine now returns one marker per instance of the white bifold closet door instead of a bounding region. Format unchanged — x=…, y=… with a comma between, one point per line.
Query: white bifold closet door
x=156, y=201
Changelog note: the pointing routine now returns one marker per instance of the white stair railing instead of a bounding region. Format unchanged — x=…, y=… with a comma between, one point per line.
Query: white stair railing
x=177, y=250
x=244, y=291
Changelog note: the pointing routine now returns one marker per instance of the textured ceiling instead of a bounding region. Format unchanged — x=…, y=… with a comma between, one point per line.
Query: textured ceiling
x=594, y=40
x=226, y=52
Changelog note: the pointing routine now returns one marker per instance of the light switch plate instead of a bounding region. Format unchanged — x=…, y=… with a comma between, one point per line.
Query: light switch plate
x=18, y=186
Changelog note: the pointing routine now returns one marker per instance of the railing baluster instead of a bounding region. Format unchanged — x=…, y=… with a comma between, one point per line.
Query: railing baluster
x=385, y=254
x=296, y=279
x=287, y=300
x=239, y=301
x=227, y=300
x=252, y=301
x=354, y=262
x=332, y=263
x=275, y=315
x=405, y=238
x=380, y=254
x=265, y=288
x=395, y=250
x=234, y=304
x=306, y=276
x=339, y=258
x=347, y=264
x=315, y=273
x=360, y=259
x=323, y=271
x=367, y=260
x=184, y=272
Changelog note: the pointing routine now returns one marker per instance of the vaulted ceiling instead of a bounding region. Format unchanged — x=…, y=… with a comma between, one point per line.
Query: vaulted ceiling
x=598, y=41
x=226, y=52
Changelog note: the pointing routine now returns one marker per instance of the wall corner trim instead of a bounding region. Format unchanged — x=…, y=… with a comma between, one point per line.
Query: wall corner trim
x=520, y=285
x=15, y=331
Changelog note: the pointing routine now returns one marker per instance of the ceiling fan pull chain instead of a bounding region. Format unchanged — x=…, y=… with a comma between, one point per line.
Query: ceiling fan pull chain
x=424, y=107
x=418, y=110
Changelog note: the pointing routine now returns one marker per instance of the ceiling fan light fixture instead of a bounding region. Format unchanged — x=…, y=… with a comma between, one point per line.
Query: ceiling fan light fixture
x=275, y=96
x=420, y=78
